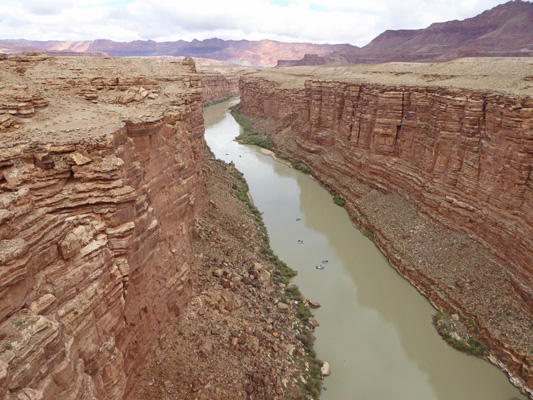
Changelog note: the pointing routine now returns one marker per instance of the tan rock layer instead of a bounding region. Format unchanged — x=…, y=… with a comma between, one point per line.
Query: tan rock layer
x=17, y=100
x=95, y=249
x=463, y=157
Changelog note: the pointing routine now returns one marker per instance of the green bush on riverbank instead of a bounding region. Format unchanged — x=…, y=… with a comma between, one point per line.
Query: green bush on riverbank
x=249, y=135
x=447, y=328
x=212, y=103
x=281, y=274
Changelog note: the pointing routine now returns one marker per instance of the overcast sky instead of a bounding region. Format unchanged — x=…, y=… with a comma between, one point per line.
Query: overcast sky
x=319, y=21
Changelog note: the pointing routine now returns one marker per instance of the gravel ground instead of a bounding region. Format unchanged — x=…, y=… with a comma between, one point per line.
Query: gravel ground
x=507, y=75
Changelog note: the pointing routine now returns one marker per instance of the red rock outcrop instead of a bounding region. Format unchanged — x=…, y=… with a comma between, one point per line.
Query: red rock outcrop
x=96, y=210
x=463, y=157
x=16, y=100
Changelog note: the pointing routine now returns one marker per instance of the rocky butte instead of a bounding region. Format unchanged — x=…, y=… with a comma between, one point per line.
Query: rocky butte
x=100, y=175
x=435, y=163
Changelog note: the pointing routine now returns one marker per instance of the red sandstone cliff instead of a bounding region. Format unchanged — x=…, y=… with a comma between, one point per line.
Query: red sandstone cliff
x=463, y=157
x=97, y=203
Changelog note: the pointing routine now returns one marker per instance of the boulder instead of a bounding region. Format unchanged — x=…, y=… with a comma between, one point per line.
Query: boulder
x=326, y=369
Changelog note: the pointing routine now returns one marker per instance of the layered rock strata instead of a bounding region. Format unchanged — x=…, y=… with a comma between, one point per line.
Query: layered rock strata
x=217, y=86
x=399, y=147
x=97, y=205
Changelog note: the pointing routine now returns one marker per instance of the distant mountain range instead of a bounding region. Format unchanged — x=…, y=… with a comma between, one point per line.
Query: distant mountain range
x=264, y=53
x=504, y=31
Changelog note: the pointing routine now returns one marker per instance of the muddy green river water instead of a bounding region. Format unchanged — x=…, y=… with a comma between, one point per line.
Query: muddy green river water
x=375, y=328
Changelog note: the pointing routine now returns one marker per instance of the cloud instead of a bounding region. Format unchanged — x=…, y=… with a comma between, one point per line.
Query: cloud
x=39, y=7
x=319, y=21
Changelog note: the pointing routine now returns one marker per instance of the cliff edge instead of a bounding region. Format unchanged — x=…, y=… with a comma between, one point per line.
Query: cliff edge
x=100, y=164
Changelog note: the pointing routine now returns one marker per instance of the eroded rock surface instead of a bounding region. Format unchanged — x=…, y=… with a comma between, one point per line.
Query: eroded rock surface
x=219, y=82
x=404, y=143
x=97, y=204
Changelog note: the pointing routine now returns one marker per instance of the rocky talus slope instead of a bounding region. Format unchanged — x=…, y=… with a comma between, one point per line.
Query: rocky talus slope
x=100, y=171
x=435, y=163
x=247, y=332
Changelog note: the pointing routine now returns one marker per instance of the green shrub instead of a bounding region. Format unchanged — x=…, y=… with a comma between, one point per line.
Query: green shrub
x=469, y=345
x=303, y=312
x=293, y=293
x=338, y=200
x=208, y=150
x=212, y=103
x=369, y=234
x=249, y=135
x=301, y=167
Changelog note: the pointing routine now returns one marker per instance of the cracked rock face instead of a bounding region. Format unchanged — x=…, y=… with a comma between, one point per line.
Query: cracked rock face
x=97, y=203
x=400, y=148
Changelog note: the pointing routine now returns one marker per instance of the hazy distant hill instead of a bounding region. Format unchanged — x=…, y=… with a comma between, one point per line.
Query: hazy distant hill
x=243, y=52
x=504, y=31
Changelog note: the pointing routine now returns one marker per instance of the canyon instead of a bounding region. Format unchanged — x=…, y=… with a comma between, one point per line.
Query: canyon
x=220, y=82
x=434, y=162
x=124, y=244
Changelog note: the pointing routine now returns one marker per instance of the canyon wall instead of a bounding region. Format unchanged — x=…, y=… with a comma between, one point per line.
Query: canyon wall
x=97, y=202
x=217, y=86
x=462, y=157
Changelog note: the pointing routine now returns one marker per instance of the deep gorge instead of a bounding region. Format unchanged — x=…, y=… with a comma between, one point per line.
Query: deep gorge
x=100, y=170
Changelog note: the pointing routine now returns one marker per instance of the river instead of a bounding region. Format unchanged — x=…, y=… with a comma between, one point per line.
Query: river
x=375, y=328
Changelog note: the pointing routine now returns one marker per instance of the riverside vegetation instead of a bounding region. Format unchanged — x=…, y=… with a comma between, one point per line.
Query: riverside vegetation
x=281, y=275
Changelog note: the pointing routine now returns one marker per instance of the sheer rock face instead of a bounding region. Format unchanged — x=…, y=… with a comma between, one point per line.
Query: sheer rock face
x=218, y=86
x=462, y=157
x=95, y=227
